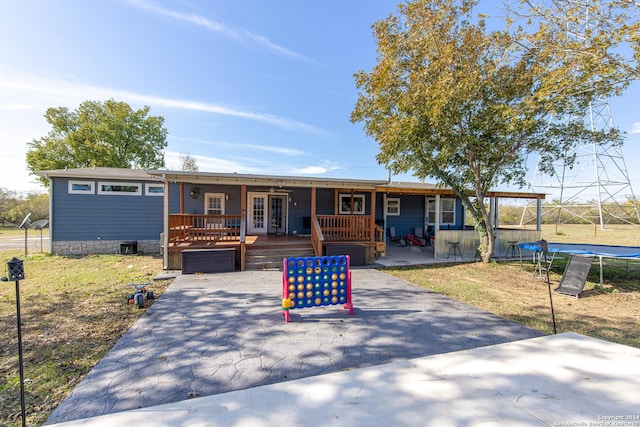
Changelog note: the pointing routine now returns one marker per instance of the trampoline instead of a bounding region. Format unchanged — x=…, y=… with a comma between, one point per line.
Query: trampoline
x=601, y=251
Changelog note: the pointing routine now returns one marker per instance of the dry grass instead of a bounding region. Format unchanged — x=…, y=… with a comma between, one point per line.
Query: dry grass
x=611, y=313
x=73, y=311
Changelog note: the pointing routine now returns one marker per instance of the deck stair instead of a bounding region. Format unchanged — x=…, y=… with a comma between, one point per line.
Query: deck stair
x=270, y=256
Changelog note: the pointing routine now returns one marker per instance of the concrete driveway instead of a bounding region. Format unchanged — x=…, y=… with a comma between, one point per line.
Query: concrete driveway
x=211, y=334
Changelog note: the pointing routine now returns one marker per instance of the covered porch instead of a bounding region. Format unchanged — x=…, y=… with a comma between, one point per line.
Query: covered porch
x=320, y=216
x=333, y=211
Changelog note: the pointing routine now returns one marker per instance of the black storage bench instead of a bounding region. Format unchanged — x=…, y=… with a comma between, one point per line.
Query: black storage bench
x=356, y=252
x=208, y=260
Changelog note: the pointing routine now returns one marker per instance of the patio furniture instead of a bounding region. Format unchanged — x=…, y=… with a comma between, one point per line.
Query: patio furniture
x=395, y=239
x=454, y=248
x=511, y=249
x=419, y=233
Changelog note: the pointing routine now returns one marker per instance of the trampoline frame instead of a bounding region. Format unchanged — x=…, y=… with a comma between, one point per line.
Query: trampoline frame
x=600, y=251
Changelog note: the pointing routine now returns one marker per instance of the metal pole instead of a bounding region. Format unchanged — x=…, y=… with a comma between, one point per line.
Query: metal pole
x=553, y=315
x=20, y=357
x=16, y=272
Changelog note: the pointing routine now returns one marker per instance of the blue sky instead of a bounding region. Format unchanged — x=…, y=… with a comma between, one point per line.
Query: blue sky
x=249, y=86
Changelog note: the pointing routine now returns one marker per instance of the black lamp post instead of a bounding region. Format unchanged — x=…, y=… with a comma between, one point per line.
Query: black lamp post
x=15, y=268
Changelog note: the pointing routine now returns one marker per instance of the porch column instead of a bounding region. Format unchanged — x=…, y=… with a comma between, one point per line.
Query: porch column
x=313, y=202
x=538, y=214
x=165, y=214
x=373, y=216
x=182, y=197
x=243, y=227
x=437, y=224
x=384, y=217
x=492, y=212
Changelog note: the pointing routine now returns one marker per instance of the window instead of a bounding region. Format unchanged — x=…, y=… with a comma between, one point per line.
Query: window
x=214, y=203
x=393, y=206
x=81, y=187
x=447, y=211
x=345, y=204
x=120, y=188
x=154, y=189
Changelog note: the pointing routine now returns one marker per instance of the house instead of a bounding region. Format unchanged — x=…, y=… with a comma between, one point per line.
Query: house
x=259, y=218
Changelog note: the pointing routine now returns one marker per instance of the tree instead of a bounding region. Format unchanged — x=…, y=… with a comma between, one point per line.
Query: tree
x=14, y=207
x=451, y=101
x=107, y=134
x=188, y=163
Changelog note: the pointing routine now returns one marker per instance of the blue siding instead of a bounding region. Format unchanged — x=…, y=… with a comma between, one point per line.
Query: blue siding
x=132, y=217
x=412, y=214
x=297, y=214
x=196, y=206
x=102, y=216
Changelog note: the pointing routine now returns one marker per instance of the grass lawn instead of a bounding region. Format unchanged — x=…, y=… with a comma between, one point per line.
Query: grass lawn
x=504, y=288
x=74, y=308
x=73, y=311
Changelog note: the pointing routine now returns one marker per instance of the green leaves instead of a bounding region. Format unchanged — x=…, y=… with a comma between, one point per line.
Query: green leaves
x=452, y=101
x=107, y=134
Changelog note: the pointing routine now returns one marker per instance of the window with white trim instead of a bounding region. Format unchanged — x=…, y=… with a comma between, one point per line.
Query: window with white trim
x=447, y=211
x=214, y=203
x=345, y=204
x=393, y=206
x=82, y=187
x=120, y=188
x=154, y=189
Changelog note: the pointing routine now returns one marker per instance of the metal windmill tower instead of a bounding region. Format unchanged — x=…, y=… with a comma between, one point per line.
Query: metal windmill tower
x=597, y=188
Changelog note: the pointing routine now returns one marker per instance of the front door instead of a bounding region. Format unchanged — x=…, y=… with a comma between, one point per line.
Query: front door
x=277, y=214
x=267, y=213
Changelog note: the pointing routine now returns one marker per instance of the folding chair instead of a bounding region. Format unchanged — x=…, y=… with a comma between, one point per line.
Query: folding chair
x=393, y=238
x=420, y=235
x=543, y=266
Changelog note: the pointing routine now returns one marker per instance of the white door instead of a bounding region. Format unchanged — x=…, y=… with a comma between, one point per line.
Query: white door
x=257, y=213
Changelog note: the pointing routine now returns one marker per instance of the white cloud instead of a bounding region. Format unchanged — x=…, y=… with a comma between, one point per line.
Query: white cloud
x=635, y=128
x=315, y=170
x=44, y=93
x=205, y=163
x=239, y=146
x=276, y=150
x=311, y=170
x=217, y=27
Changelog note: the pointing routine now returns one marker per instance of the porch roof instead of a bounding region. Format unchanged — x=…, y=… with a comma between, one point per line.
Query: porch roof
x=264, y=180
x=380, y=186
x=423, y=188
x=98, y=173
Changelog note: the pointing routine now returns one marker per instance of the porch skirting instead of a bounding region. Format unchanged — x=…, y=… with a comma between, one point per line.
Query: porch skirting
x=92, y=247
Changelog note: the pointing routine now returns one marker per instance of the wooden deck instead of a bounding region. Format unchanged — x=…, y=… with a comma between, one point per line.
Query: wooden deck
x=287, y=245
x=195, y=231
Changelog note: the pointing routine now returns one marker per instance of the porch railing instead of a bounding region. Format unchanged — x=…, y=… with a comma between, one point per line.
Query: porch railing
x=204, y=228
x=346, y=227
x=317, y=238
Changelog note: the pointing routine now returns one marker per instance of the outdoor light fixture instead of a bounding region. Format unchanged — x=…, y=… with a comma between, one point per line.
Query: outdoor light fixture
x=195, y=192
x=15, y=269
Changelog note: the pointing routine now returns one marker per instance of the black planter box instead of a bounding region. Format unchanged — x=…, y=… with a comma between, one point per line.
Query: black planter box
x=208, y=260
